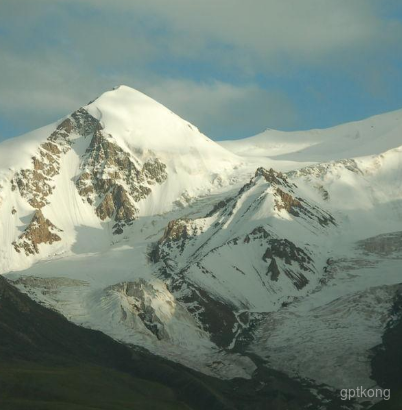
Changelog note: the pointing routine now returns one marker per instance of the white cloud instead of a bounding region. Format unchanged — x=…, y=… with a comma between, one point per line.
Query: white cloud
x=269, y=32
x=55, y=87
x=35, y=91
x=56, y=55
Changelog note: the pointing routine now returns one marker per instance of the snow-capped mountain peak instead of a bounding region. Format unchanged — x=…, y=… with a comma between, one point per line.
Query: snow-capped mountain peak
x=139, y=123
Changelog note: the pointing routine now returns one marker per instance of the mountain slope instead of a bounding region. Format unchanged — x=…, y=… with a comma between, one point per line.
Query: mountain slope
x=242, y=254
x=49, y=363
x=371, y=136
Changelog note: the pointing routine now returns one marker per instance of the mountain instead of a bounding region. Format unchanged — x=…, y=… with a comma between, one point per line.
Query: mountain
x=356, y=139
x=46, y=362
x=227, y=258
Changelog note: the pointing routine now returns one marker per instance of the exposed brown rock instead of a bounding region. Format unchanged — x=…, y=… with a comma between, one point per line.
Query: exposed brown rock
x=111, y=177
x=287, y=202
x=176, y=229
x=115, y=180
x=35, y=184
x=85, y=123
x=40, y=230
x=324, y=193
x=271, y=176
x=125, y=210
x=51, y=147
x=106, y=208
x=118, y=205
x=154, y=171
x=298, y=207
x=66, y=126
x=288, y=252
x=383, y=245
x=177, y=234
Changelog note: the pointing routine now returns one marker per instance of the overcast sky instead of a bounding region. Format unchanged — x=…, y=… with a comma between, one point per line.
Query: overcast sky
x=231, y=67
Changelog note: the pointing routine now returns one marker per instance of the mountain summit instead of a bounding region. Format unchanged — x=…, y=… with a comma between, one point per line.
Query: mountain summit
x=140, y=124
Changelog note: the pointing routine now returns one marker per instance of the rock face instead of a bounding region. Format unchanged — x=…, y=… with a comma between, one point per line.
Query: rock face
x=36, y=184
x=272, y=176
x=383, y=245
x=39, y=231
x=287, y=202
x=114, y=180
x=295, y=261
x=215, y=316
x=176, y=235
x=137, y=298
x=150, y=307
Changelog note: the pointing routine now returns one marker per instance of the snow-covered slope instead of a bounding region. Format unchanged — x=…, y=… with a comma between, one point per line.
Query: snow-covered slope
x=147, y=129
x=127, y=219
x=371, y=136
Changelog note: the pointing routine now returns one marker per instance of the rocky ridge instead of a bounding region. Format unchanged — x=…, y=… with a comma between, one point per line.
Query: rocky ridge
x=113, y=181
x=189, y=248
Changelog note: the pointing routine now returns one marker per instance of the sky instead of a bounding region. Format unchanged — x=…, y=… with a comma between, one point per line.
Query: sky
x=233, y=68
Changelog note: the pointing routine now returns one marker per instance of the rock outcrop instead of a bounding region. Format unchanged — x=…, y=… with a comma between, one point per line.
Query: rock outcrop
x=114, y=181
x=137, y=300
x=294, y=260
x=39, y=231
x=36, y=184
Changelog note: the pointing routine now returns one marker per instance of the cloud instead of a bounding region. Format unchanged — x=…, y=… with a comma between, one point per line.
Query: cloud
x=54, y=88
x=229, y=66
x=247, y=37
x=35, y=91
x=88, y=55
x=269, y=32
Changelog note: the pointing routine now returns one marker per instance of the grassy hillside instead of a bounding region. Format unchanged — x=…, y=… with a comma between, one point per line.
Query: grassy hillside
x=26, y=385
